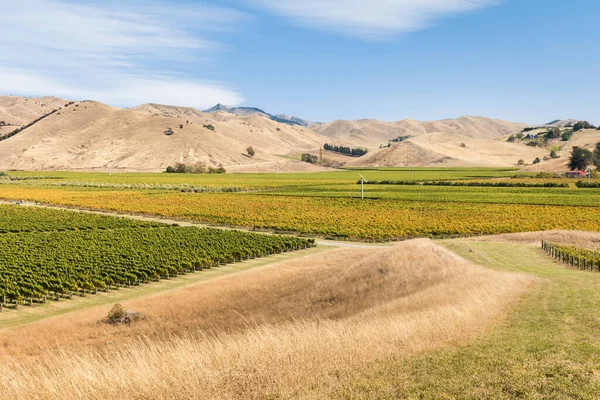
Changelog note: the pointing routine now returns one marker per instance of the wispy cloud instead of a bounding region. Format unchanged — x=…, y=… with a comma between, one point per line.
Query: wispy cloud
x=372, y=19
x=121, y=53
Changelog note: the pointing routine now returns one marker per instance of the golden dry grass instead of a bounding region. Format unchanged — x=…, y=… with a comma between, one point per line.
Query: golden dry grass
x=584, y=239
x=292, y=330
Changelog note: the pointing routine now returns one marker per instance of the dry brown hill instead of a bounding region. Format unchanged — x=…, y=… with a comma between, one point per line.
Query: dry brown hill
x=18, y=111
x=22, y=110
x=450, y=149
x=372, y=133
x=93, y=136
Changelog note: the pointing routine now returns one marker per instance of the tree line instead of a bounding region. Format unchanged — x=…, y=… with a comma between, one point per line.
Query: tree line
x=356, y=152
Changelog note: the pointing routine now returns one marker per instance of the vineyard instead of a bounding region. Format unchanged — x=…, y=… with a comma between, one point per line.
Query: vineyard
x=32, y=219
x=63, y=260
x=456, y=202
x=576, y=257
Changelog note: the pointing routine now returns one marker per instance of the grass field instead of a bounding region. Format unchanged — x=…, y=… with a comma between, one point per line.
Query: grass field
x=548, y=347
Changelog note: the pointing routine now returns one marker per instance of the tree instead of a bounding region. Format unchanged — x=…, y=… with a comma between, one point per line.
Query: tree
x=553, y=154
x=519, y=136
x=553, y=133
x=580, y=159
x=566, y=135
x=596, y=160
x=250, y=151
x=537, y=160
x=511, y=138
x=582, y=125
x=2, y=123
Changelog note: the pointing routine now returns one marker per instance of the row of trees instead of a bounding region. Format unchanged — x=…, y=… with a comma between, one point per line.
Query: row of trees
x=197, y=168
x=357, y=152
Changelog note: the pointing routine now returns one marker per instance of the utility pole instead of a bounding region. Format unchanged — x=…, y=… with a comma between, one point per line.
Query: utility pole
x=362, y=187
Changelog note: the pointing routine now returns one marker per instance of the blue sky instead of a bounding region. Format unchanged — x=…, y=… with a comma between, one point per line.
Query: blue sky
x=529, y=60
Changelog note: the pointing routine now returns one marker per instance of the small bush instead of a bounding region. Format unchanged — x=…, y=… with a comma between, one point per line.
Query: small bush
x=521, y=162
x=250, y=151
x=309, y=158
x=210, y=127
x=537, y=160
x=116, y=314
x=463, y=145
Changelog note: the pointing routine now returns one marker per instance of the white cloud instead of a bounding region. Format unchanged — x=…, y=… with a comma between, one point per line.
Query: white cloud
x=120, y=53
x=370, y=18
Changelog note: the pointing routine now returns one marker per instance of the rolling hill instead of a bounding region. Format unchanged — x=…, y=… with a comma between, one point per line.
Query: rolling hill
x=18, y=111
x=89, y=135
x=445, y=149
x=372, y=133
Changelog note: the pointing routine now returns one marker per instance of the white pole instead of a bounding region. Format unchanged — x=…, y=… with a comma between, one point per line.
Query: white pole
x=362, y=188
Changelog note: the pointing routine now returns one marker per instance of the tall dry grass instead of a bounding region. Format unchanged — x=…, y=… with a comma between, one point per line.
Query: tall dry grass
x=297, y=330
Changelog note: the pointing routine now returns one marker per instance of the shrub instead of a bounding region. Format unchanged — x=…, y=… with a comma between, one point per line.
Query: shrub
x=250, y=151
x=210, y=127
x=553, y=154
x=309, y=158
x=116, y=314
x=566, y=135
x=463, y=145
x=519, y=136
x=536, y=161
x=511, y=138
x=521, y=162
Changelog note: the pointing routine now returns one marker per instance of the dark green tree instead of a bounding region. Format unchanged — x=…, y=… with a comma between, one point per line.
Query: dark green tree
x=580, y=159
x=596, y=161
x=553, y=133
x=582, y=125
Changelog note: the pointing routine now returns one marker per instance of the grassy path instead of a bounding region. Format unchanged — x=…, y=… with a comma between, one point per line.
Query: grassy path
x=25, y=314
x=547, y=348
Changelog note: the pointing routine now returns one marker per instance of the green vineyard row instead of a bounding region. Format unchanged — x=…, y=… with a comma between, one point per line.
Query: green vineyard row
x=574, y=256
x=38, y=264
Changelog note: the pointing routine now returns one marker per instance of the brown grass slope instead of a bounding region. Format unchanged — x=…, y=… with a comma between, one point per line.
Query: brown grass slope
x=291, y=330
x=448, y=149
x=93, y=136
x=372, y=133
x=22, y=110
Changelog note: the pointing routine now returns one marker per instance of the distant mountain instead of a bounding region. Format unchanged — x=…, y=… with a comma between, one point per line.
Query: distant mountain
x=246, y=111
x=561, y=123
x=373, y=133
x=87, y=135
